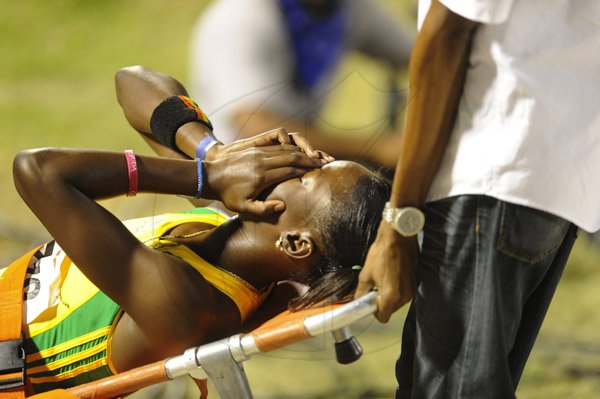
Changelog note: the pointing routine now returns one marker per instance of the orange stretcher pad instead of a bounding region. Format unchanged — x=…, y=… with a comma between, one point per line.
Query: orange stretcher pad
x=221, y=360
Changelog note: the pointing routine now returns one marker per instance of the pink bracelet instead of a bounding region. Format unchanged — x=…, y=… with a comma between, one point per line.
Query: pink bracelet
x=132, y=172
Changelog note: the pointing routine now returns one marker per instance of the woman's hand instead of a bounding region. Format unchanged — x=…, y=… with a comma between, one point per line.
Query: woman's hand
x=238, y=172
x=272, y=137
x=391, y=268
x=238, y=177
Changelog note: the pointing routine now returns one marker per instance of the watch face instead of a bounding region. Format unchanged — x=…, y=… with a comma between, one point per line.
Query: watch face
x=409, y=221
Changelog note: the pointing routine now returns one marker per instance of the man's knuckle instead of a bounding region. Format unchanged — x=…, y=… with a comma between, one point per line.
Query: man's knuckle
x=392, y=298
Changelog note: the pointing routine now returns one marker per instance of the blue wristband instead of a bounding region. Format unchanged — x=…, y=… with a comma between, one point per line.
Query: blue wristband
x=200, y=177
x=203, y=147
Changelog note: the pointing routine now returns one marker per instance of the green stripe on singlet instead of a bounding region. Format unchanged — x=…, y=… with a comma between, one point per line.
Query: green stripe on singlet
x=200, y=211
x=99, y=311
x=84, y=378
x=66, y=353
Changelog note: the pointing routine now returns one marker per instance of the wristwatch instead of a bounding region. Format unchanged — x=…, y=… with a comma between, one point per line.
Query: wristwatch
x=407, y=221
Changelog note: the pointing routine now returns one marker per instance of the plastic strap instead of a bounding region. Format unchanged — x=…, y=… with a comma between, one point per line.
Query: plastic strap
x=200, y=178
x=203, y=146
x=11, y=318
x=132, y=172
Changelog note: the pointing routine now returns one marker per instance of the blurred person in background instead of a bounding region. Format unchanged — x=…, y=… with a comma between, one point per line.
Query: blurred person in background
x=260, y=64
x=501, y=152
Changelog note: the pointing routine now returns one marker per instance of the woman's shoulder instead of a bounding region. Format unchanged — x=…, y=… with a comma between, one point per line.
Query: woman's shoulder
x=145, y=228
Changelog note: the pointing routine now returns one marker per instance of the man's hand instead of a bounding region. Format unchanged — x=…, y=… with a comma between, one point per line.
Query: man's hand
x=236, y=178
x=391, y=268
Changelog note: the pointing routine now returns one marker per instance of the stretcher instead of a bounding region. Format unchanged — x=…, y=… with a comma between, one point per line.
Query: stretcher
x=222, y=361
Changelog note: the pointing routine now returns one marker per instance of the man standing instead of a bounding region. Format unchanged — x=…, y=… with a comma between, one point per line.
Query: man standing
x=261, y=64
x=501, y=153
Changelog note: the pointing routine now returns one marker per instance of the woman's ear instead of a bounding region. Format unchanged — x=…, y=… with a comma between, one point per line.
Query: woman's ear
x=296, y=244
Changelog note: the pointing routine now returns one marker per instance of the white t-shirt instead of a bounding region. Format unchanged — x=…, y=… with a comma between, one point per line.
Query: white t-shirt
x=528, y=123
x=242, y=59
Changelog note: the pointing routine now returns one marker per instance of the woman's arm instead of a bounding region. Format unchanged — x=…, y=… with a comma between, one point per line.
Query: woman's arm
x=61, y=186
x=140, y=90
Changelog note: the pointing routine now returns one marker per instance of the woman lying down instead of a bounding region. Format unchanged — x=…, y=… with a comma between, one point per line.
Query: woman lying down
x=106, y=296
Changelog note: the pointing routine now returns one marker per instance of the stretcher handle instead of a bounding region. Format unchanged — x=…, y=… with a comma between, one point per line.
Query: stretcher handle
x=290, y=327
x=122, y=383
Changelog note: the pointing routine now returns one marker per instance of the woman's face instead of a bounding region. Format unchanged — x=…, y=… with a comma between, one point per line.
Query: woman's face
x=307, y=196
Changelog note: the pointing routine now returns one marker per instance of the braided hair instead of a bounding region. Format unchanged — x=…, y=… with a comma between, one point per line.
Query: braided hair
x=347, y=231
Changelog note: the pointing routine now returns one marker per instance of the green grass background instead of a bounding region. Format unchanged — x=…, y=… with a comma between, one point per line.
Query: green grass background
x=57, y=61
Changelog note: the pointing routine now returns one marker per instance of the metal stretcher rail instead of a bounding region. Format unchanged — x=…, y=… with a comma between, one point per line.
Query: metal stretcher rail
x=222, y=361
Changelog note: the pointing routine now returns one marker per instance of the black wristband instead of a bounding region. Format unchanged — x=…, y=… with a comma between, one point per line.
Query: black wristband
x=173, y=113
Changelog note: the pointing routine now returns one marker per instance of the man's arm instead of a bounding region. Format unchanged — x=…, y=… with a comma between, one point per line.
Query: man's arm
x=436, y=75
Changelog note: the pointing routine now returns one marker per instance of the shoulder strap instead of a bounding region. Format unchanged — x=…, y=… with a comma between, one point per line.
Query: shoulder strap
x=246, y=297
x=12, y=356
x=149, y=229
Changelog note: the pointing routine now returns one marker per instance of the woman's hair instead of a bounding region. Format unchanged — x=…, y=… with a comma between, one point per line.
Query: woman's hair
x=346, y=230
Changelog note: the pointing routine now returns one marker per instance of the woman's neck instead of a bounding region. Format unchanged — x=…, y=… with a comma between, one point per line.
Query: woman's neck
x=242, y=250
